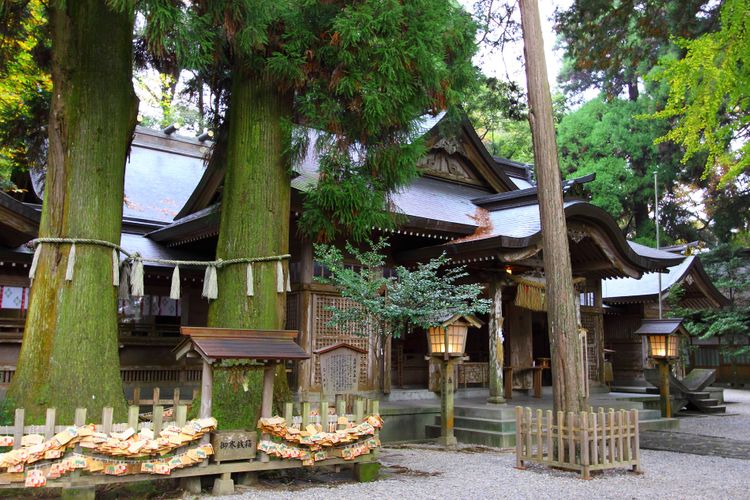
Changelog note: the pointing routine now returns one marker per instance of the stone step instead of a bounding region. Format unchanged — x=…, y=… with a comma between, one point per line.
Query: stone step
x=699, y=395
x=482, y=424
x=713, y=408
x=658, y=424
x=479, y=437
x=497, y=412
x=635, y=389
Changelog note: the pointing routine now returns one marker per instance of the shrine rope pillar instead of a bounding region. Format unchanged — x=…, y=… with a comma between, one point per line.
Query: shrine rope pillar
x=496, y=337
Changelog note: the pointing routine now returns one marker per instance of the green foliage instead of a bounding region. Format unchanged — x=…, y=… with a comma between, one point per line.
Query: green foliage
x=25, y=88
x=611, y=45
x=728, y=266
x=709, y=91
x=394, y=306
x=602, y=137
x=361, y=73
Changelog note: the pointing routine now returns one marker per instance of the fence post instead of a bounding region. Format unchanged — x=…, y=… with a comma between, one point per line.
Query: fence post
x=628, y=442
x=636, y=442
x=176, y=398
x=550, y=426
x=595, y=439
x=158, y=419
x=288, y=413
x=137, y=396
x=305, y=414
x=603, y=441
x=107, y=412
x=133, y=417
x=18, y=428
x=156, y=397
x=180, y=415
x=359, y=410
x=519, y=439
x=571, y=438
x=324, y=415
x=539, y=442
x=561, y=437
x=49, y=424
x=584, y=422
x=340, y=412
x=620, y=447
x=612, y=456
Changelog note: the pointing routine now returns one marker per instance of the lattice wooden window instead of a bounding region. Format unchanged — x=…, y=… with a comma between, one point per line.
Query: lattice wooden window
x=292, y=311
x=591, y=322
x=325, y=335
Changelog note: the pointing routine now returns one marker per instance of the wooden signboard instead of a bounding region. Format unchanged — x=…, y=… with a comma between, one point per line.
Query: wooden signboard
x=339, y=368
x=234, y=445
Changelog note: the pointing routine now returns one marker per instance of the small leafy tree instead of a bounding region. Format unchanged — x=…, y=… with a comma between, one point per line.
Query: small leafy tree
x=388, y=307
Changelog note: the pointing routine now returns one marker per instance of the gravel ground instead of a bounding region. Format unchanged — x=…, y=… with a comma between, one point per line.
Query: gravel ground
x=417, y=472
x=735, y=424
x=429, y=473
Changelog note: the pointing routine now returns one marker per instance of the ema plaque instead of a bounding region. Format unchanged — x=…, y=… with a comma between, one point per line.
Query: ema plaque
x=339, y=368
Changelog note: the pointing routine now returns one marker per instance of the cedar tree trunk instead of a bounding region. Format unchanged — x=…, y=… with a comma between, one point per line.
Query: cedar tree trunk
x=69, y=356
x=254, y=223
x=567, y=370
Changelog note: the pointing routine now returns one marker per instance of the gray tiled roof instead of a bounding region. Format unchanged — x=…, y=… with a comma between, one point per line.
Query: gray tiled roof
x=438, y=200
x=150, y=249
x=159, y=182
x=649, y=283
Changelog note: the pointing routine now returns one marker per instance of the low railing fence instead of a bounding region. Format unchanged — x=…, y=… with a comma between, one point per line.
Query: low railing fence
x=13, y=435
x=581, y=442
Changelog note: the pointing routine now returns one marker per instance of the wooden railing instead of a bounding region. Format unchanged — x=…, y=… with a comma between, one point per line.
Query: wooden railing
x=582, y=442
x=135, y=375
x=156, y=399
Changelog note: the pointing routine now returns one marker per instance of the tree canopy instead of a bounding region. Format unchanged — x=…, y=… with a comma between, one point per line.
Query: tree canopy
x=709, y=95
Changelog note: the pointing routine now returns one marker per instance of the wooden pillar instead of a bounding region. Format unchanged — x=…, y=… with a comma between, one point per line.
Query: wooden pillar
x=447, y=437
x=497, y=356
x=207, y=387
x=306, y=340
x=266, y=406
x=521, y=346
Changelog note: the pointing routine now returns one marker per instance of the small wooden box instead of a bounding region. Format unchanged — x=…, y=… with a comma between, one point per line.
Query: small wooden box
x=234, y=445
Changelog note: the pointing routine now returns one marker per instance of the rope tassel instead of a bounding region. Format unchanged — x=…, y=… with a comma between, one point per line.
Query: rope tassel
x=174, y=291
x=279, y=277
x=35, y=261
x=115, y=268
x=250, y=284
x=136, y=278
x=210, y=283
x=288, y=281
x=124, y=291
x=71, y=263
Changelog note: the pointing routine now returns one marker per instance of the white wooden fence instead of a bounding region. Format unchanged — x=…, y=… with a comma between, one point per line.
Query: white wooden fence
x=581, y=442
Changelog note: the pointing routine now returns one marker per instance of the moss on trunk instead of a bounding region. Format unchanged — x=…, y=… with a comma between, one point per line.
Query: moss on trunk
x=254, y=223
x=69, y=356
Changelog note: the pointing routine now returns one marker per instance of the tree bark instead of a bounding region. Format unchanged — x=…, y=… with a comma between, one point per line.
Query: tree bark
x=69, y=356
x=254, y=223
x=567, y=370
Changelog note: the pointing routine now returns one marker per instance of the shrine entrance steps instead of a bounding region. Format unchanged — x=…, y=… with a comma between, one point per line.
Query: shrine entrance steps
x=495, y=425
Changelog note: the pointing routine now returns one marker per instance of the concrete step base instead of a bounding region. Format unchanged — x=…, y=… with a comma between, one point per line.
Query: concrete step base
x=478, y=437
x=482, y=424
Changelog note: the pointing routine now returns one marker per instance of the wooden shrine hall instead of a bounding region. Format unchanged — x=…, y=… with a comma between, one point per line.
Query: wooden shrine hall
x=479, y=209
